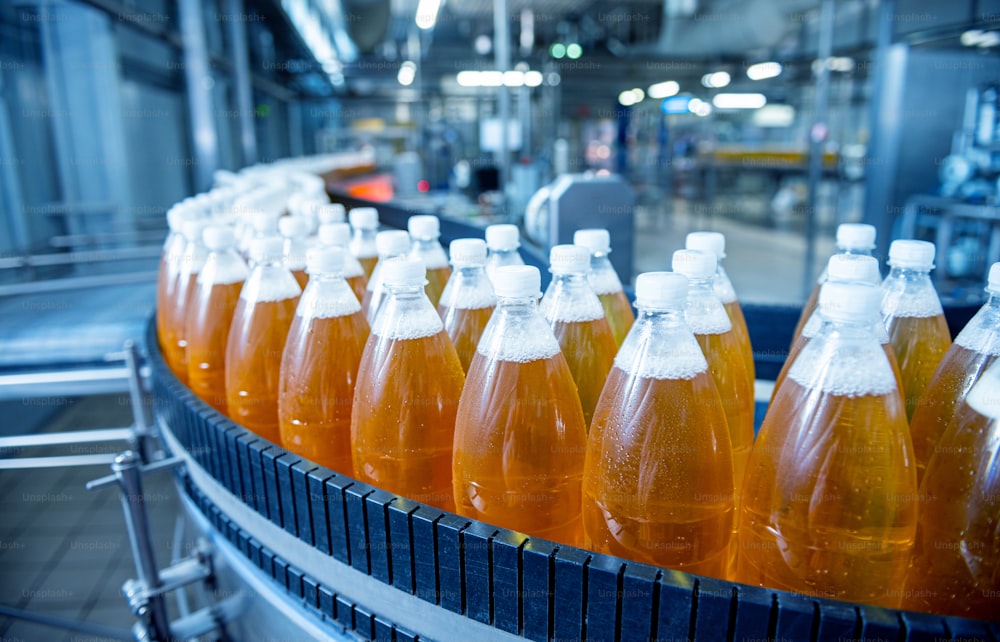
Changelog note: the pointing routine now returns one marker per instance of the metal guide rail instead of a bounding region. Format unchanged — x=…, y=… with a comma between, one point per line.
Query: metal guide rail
x=385, y=567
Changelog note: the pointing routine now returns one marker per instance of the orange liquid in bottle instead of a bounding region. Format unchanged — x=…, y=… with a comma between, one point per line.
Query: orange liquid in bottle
x=209, y=319
x=253, y=363
x=465, y=326
x=520, y=442
x=403, y=423
x=618, y=312
x=589, y=348
x=175, y=348
x=735, y=313
x=358, y=284
x=919, y=344
x=437, y=278
x=166, y=286
x=830, y=512
x=726, y=365
x=301, y=277
x=318, y=374
x=959, y=370
x=956, y=561
x=655, y=489
x=368, y=263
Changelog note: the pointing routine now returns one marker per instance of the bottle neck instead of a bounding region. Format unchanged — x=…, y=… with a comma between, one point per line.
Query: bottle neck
x=404, y=291
x=701, y=286
x=325, y=277
x=854, y=251
x=573, y=280
x=909, y=274
x=518, y=305
x=652, y=315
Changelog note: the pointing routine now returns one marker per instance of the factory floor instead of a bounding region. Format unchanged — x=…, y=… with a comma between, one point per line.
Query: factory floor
x=64, y=551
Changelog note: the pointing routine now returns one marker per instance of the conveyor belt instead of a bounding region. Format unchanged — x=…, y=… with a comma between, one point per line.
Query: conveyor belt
x=72, y=327
x=459, y=568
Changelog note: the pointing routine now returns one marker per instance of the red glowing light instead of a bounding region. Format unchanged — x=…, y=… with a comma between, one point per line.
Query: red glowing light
x=423, y=186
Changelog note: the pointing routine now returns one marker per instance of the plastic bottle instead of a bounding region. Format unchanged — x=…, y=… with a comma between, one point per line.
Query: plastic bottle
x=975, y=348
x=295, y=230
x=257, y=338
x=658, y=484
x=715, y=242
x=956, y=562
x=166, y=278
x=409, y=383
x=707, y=318
x=210, y=315
x=520, y=438
x=577, y=319
x=364, y=222
x=319, y=366
x=502, y=241
x=425, y=229
x=191, y=262
x=339, y=235
x=829, y=499
x=852, y=239
x=841, y=268
x=390, y=243
x=605, y=282
x=913, y=317
x=468, y=300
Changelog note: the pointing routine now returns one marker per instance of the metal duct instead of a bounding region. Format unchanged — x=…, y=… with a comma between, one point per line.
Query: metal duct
x=726, y=27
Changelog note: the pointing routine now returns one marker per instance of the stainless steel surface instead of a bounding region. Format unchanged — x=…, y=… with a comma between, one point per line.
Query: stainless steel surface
x=198, y=79
x=127, y=468
x=71, y=437
x=56, y=462
x=237, y=30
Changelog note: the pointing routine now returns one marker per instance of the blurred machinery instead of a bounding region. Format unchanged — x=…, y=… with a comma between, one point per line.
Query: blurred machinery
x=971, y=172
x=577, y=201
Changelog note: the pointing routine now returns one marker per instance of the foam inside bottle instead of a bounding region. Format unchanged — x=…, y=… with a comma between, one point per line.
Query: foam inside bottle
x=852, y=370
x=419, y=321
x=674, y=355
x=269, y=282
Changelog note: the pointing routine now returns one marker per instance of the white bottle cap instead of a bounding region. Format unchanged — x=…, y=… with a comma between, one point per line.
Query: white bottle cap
x=907, y=253
x=218, y=237
x=594, y=239
x=993, y=281
x=424, y=226
x=503, y=237
x=192, y=229
x=264, y=222
x=403, y=271
x=695, y=264
x=176, y=216
x=392, y=243
x=293, y=227
x=852, y=302
x=853, y=267
x=335, y=234
x=517, y=281
x=569, y=259
x=330, y=213
x=709, y=241
x=325, y=260
x=365, y=218
x=267, y=249
x=856, y=236
x=467, y=252
x=661, y=290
